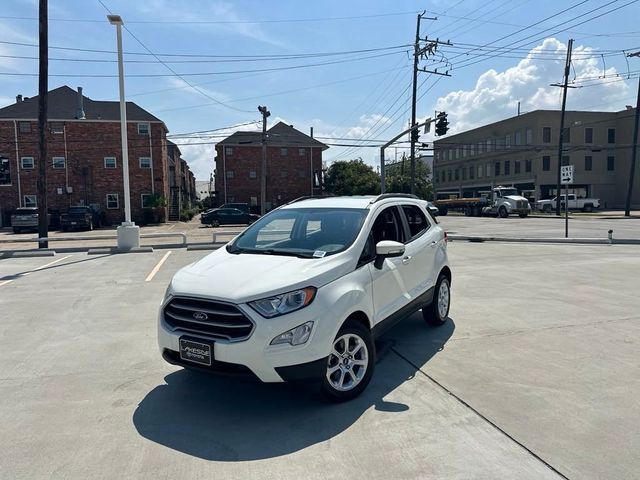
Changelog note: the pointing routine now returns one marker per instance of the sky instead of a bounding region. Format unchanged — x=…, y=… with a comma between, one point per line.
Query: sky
x=341, y=67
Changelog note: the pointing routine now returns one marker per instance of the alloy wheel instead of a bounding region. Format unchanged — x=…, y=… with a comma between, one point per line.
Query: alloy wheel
x=348, y=361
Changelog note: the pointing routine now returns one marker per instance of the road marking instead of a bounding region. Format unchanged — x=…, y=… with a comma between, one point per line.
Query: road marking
x=173, y=225
x=157, y=267
x=51, y=263
x=5, y=282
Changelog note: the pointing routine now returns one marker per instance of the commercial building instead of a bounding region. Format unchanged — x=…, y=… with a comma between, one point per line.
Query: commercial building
x=294, y=165
x=84, y=157
x=522, y=151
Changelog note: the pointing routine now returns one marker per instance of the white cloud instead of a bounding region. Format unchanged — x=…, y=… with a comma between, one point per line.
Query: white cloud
x=496, y=94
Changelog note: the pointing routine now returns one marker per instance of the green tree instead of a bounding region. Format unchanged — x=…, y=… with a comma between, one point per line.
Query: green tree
x=398, y=178
x=351, y=177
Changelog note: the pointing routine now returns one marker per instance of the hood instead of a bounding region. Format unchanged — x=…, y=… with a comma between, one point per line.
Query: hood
x=244, y=277
x=515, y=198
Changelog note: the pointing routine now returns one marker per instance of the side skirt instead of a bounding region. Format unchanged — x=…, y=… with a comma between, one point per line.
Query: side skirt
x=416, y=304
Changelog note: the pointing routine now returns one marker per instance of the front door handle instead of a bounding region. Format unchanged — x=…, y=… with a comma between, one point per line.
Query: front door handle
x=406, y=259
x=434, y=243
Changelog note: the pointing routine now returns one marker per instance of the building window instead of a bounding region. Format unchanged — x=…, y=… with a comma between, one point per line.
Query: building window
x=457, y=152
x=565, y=160
x=480, y=144
x=566, y=135
x=487, y=170
x=24, y=127
x=527, y=165
x=253, y=201
x=252, y=174
x=228, y=151
x=518, y=138
x=472, y=171
x=611, y=163
x=529, y=135
x=546, y=163
x=448, y=175
x=464, y=150
x=489, y=142
x=611, y=135
x=27, y=163
x=464, y=173
x=302, y=173
x=5, y=171
x=58, y=162
x=500, y=143
x=480, y=171
x=497, y=169
x=284, y=173
x=588, y=135
x=30, y=201
x=229, y=173
x=507, y=167
x=588, y=163
x=284, y=152
x=546, y=134
x=302, y=152
x=457, y=174
x=144, y=200
x=516, y=167
x=112, y=201
x=145, y=162
x=56, y=127
x=472, y=148
x=109, y=162
x=507, y=141
x=143, y=129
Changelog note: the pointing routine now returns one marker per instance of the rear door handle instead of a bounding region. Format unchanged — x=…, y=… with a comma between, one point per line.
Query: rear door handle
x=406, y=259
x=434, y=243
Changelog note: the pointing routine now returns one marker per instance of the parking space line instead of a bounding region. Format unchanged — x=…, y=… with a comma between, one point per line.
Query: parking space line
x=157, y=267
x=51, y=263
x=5, y=282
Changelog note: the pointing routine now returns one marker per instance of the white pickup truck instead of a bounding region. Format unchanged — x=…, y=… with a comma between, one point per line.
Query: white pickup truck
x=584, y=204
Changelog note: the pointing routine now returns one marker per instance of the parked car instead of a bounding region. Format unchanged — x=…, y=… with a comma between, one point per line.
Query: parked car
x=584, y=204
x=79, y=217
x=244, y=207
x=227, y=216
x=302, y=293
x=25, y=218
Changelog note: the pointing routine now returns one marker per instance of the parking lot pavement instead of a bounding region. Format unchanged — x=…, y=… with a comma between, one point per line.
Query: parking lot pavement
x=542, y=227
x=535, y=371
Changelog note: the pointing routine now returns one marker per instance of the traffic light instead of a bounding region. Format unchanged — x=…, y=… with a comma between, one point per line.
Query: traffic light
x=442, y=125
x=415, y=135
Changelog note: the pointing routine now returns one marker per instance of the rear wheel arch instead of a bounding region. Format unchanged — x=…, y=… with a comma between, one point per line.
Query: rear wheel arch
x=446, y=271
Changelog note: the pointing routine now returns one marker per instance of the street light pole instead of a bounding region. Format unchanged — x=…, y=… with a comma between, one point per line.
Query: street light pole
x=263, y=174
x=128, y=232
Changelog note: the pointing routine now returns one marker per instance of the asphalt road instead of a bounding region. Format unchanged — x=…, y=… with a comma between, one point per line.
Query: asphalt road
x=534, y=376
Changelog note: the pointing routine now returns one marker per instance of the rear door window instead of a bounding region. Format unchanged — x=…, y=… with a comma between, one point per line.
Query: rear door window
x=416, y=219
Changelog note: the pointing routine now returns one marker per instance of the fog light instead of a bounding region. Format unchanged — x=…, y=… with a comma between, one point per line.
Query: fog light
x=295, y=336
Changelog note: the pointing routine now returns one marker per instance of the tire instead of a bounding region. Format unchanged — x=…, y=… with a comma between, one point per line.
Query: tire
x=215, y=223
x=523, y=215
x=502, y=212
x=443, y=211
x=588, y=208
x=436, y=312
x=546, y=208
x=347, y=377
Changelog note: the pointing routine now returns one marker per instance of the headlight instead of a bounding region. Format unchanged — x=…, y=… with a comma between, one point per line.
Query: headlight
x=284, y=303
x=295, y=336
x=169, y=291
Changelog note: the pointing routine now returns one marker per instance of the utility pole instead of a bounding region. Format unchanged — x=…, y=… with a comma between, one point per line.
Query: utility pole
x=420, y=52
x=263, y=174
x=43, y=74
x=634, y=150
x=564, y=86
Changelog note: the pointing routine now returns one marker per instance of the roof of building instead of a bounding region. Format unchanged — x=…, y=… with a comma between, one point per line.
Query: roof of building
x=63, y=105
x=280, y=134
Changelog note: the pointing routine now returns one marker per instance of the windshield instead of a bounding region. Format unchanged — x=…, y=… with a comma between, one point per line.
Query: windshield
x=508, y=191
x=304, y=232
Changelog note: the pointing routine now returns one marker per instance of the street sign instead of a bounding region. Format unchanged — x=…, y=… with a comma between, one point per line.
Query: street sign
x=566, y=174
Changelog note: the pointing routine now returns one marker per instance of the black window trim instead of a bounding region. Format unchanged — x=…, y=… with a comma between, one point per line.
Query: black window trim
x=405, y=222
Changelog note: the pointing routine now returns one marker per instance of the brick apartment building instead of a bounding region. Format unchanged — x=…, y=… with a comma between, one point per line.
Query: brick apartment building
x=182, y=182
x=294, y=165
x=84, y=158
x=522, y=151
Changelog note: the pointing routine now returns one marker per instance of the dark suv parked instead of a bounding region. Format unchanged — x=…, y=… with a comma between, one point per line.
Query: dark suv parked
x=80, y=217
x=227, y=216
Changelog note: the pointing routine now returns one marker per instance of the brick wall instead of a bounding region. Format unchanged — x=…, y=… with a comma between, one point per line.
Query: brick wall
x=289, y=175
x=84, y=145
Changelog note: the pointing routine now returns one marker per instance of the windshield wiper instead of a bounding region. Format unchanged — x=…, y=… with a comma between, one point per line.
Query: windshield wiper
x=268, y=251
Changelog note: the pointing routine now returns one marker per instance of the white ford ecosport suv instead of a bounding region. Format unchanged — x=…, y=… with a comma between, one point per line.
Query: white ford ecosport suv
x=303, y=292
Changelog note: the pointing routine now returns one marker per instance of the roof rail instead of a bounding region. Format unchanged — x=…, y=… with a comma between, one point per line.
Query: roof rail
x=394, y=195
x=307, y=197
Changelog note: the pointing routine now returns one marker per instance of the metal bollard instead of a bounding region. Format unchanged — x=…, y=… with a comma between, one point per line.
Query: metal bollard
x=610, y=232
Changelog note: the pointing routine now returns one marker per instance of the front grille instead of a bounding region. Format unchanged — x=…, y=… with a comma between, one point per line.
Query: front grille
x=207, y=317
x=521, y=204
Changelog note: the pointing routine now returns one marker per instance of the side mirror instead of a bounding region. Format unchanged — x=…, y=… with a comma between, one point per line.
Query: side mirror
x=387, y=249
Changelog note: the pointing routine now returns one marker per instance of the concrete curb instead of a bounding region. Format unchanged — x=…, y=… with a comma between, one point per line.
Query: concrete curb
x=115, y=250
x=580, y=241
x=27, y=253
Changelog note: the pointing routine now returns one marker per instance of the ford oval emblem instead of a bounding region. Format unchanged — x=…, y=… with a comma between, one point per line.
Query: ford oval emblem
x=200, y=316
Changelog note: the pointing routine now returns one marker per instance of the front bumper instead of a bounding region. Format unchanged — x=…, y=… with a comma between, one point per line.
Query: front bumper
x=254, y=356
